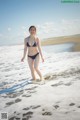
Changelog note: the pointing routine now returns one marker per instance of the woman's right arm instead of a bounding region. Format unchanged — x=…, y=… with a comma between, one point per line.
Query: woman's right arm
x=25, y=50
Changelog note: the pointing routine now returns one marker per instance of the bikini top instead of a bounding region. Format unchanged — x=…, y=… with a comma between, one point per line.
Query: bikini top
x=34, y=45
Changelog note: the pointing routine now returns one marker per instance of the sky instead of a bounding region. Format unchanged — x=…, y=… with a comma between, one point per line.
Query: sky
x=51, y=17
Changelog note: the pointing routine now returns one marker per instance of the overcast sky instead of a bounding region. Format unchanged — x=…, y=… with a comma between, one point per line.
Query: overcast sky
x=51, y=17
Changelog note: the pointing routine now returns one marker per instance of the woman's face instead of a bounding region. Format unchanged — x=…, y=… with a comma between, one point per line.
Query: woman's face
x=32, y=31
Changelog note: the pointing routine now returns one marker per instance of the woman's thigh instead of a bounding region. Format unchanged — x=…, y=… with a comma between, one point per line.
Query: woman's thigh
x=37, y=60
x=30, y=62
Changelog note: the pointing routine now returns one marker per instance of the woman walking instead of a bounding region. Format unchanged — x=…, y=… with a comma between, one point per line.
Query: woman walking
x=32, y=44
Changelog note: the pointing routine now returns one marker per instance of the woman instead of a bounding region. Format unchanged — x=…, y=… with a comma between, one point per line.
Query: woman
x=34, y=52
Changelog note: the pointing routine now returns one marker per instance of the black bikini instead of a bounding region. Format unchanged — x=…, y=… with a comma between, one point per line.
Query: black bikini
x=34, y=56
x=34, y=45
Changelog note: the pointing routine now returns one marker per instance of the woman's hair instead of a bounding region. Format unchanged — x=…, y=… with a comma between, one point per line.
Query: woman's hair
x=32, y=27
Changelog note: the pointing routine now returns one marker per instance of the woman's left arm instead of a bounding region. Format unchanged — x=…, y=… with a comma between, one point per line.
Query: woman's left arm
x=39, y=47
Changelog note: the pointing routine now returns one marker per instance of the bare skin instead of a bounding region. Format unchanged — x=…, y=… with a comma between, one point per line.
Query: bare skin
x=33, y=64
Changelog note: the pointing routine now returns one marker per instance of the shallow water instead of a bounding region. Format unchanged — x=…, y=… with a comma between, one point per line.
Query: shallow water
x=67, y=47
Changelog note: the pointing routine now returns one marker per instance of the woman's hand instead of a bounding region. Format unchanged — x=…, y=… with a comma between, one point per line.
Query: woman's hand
x=42, y=59
x=22, y=60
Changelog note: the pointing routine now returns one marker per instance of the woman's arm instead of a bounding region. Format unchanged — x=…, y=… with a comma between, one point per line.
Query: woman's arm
x=25, y=50
x=39, y=47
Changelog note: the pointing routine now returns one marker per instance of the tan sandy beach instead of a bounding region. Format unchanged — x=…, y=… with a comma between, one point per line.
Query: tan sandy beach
x=64, y=39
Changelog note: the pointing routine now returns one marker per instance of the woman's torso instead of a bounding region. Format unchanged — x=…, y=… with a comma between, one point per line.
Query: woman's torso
x=32, y=46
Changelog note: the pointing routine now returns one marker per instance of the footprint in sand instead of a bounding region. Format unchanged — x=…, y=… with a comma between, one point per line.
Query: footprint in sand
x=28, y=113
x=35, y=107
x=32, y=91
x=66, y=112
x=17, y=118
x=56, y=106
x=16, y=115
x=4, y=96
x=26, y=95
x=14, y=95
x=47, y=77
x=54, y=77
x=12, y=118
x=47, y=113
x=24, y=119
x=17, y=100
x=12, y=102
x=43, y=109
x=57, y=84
x=27, y=108
x=32, y=88
x=68, y=84
x=27, y=118
x=78, y=106
x=71, y=104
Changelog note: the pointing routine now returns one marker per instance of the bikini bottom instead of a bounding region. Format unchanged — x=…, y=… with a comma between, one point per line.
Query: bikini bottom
x=34, y=56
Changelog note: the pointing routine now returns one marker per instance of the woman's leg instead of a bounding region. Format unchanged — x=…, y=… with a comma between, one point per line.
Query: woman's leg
x=31, y=65
x=36, y=64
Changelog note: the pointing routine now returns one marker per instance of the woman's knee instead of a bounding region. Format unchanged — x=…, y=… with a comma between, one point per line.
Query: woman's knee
x=36, y=68
x=31, y=68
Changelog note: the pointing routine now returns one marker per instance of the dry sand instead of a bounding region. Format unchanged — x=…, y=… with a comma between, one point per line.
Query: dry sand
x=64, y=39
x=53, y=100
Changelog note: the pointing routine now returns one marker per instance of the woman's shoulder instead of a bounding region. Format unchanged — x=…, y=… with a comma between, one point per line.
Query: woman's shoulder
x=37, y=38
x=26, y=39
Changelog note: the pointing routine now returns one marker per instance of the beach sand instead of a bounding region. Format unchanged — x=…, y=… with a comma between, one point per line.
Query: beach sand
x=57, y=99
x=64, y=39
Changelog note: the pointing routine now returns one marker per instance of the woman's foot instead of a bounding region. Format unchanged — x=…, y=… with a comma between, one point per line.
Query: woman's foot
x=34, y=81
x=38, y=80
x=41, y=78
x=42, y=81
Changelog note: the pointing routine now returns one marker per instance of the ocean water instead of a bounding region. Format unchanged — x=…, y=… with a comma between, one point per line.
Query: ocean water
x=14, y=73
x=67, y=47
